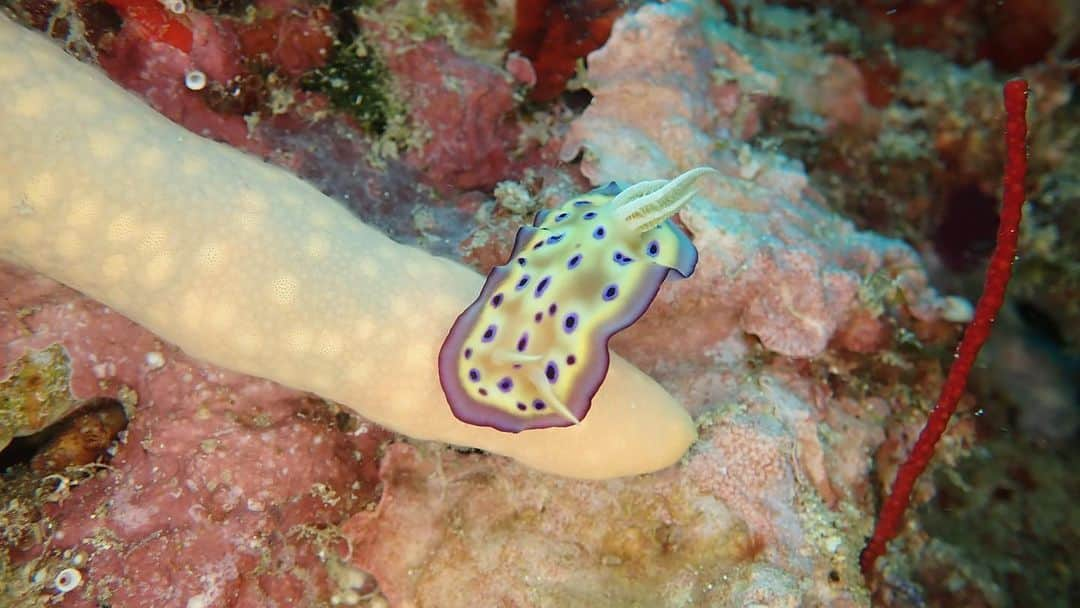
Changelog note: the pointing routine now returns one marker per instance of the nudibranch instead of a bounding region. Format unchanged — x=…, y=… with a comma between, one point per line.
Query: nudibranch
x=532, y=350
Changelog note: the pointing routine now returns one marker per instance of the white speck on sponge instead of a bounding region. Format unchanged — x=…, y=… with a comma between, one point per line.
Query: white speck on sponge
x=195, y=80
x=67, y=579
x=155, y=360
x=248, y=283
x=956, y=310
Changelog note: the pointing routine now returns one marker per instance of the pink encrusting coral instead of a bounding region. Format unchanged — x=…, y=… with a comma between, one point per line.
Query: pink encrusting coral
x=676, y=86
x=469, y=131
x=225, y=489
x=226, y=52
x=462, y=530
x=775, y=263
x=457, y=136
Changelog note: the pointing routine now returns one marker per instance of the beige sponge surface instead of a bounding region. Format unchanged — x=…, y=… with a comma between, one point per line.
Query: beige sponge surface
x=246, y=266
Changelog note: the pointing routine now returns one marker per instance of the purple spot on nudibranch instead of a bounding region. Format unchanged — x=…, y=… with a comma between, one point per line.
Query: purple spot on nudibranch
x=553, y=308
x=653, y=249
x=610, y=292
x=539, y=404
x=489, y=333
x=598, y=233
x=523, y=342
x=555, y=238
x=551, y=372
x=468, y=353
x=573, y=262
x=621, y=259
x=562, y=216
x=570, y=322
x=589, y=215
x=496, y=300
x=538, y=316
x=581, y=203
x=522, y=283
x=506, y=384
x=521, y=406
x=538, y=245
x=474, y=375
x=571, y=359
x=542, y=286
x=521, y=261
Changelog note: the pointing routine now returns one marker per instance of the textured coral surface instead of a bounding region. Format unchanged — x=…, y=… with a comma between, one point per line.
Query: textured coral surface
x=220, y=485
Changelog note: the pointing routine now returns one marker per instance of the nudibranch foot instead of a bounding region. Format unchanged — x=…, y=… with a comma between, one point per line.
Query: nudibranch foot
x=532, y=350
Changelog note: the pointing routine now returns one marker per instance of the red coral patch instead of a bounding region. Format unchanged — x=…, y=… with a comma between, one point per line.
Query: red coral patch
x=554, y=34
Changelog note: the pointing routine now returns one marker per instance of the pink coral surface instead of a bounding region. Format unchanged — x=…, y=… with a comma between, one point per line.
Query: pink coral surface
x=218, y=475
x=774, y=262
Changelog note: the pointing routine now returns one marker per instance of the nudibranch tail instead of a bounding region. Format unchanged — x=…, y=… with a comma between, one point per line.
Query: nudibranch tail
x=646, y=205
x=532, y=350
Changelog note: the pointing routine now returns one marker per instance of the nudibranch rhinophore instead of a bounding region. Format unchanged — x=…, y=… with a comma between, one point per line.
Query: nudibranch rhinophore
x=532, y=350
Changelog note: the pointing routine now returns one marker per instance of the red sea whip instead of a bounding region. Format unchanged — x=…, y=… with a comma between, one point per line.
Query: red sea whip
x=997, y=278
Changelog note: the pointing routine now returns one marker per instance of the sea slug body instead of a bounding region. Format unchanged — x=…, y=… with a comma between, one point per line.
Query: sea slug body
x=531, y=351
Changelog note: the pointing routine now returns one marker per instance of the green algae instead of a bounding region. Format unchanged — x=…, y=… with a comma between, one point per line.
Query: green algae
x=357, y=81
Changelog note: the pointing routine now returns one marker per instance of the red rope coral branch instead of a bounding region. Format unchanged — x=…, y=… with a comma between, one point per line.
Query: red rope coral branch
x=997, y=277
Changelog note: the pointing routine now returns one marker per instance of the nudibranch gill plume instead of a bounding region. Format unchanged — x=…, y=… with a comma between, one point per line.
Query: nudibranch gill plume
x=532, y=350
